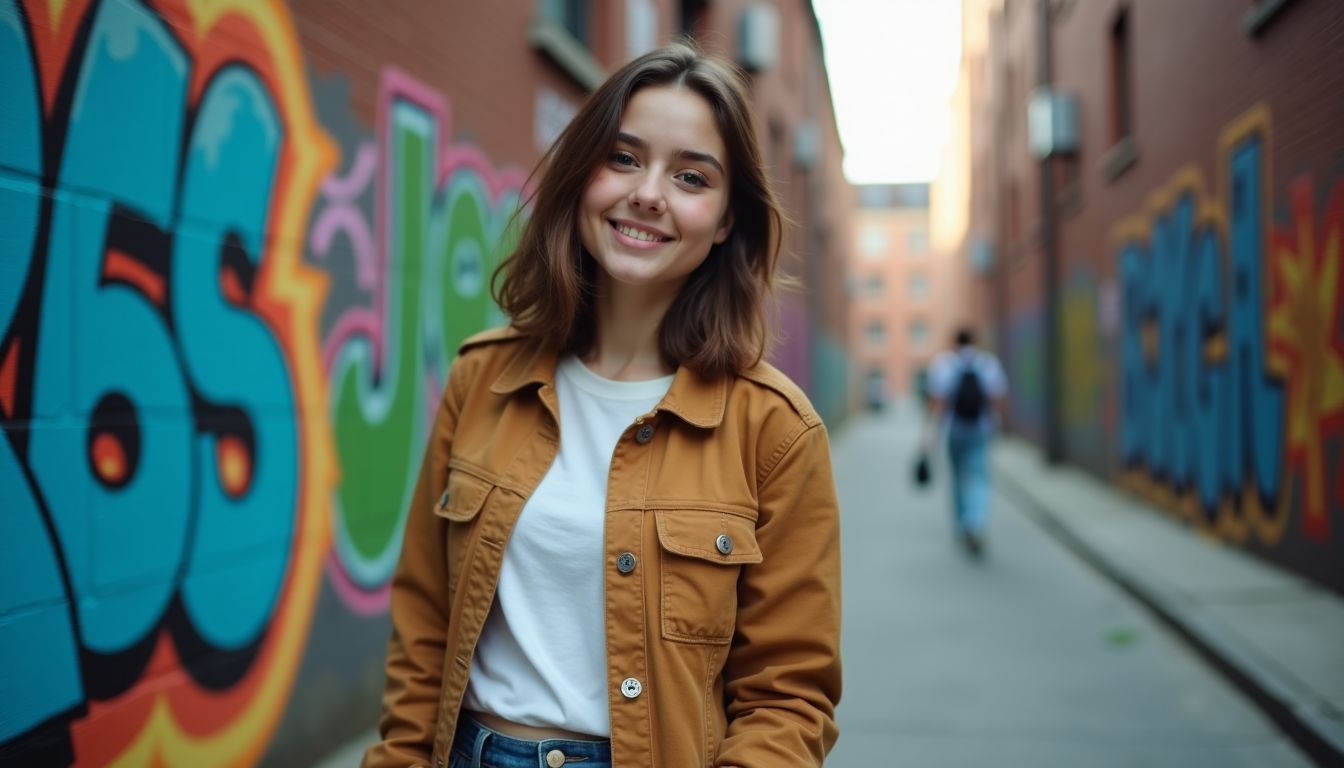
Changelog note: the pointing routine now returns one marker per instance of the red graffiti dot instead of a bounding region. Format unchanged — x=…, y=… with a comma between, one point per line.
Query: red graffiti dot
x=234, y=293
x=109, y=458
x=234, y=463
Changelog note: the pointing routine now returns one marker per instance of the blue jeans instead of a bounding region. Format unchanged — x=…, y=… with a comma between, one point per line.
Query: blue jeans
x=968, y=450
x=475, y=746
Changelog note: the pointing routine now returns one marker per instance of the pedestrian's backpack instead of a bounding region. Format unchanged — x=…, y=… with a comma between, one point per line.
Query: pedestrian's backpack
x=968, y=401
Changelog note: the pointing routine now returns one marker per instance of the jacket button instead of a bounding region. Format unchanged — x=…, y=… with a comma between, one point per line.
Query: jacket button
x=631, y=688
x=644, y=434
x=443, y=500
x=724, y=544
x=625, y=563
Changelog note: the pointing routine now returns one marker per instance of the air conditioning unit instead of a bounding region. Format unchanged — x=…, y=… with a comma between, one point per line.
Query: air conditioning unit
x=806, y=144
x=758, y=37
x=1052, y=123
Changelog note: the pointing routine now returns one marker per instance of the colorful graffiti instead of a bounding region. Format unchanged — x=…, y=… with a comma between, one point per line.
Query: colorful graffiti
x=158, y=338
x=1024, y=360
x=1083, y=394
x=198, y=423
x=1232, y=350
x=442, y=217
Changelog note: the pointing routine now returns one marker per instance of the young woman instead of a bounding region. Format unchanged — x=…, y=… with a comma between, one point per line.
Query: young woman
x=623, y=547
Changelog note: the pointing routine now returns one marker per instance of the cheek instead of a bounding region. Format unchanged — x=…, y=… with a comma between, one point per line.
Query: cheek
x=602, y=192
x=703, y=216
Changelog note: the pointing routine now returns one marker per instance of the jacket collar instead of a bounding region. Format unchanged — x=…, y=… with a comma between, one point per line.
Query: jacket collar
x=530, y=364
x=696, y=400
x=692, y=398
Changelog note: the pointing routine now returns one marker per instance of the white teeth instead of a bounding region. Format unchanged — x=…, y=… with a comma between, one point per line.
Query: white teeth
x=638, y=234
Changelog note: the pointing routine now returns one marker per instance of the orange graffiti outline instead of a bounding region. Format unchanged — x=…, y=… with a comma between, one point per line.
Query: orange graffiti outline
x=165, y=718
x=1304, y=344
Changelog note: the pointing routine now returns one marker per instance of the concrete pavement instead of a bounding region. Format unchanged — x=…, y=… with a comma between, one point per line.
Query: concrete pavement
x=1278, y=637
x=1030, y=656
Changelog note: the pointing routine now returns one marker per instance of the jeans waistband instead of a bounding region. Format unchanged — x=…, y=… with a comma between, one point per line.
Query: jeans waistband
x=488, y=746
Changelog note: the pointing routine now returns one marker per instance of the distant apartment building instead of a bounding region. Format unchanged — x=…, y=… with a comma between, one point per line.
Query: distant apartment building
x=1147, y=198
x=894, y=281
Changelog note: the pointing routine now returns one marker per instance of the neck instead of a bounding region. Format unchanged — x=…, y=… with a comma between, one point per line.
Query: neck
x=627, y=319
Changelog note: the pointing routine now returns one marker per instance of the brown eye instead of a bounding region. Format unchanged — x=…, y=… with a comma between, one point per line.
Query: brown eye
x=622, y=158
x=692, y=178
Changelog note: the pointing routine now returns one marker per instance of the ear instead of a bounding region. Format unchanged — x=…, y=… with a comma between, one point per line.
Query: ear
x=725, y=227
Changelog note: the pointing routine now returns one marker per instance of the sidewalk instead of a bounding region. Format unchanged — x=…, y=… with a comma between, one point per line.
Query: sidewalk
x=1278, y=637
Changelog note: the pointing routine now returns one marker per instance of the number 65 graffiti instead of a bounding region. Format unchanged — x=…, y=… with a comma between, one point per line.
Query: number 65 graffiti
x=150, y=473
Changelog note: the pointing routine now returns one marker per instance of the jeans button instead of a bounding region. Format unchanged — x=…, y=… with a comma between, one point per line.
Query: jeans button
x=631, y=688
x=555, y=758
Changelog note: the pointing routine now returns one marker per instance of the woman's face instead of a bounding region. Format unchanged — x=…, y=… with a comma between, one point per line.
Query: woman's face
x=659, y=201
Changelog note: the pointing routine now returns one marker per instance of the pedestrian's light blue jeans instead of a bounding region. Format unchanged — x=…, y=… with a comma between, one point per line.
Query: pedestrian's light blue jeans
x=968, y=450
x=476, y=746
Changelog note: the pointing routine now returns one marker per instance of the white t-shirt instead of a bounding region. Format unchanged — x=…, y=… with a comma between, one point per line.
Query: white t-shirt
x=945, y=374
x=542, y=659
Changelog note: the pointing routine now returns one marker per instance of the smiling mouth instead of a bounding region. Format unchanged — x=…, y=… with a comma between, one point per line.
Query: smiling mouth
x=641, y=235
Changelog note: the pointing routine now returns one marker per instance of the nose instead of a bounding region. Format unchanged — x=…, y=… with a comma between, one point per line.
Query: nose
x=648, y=194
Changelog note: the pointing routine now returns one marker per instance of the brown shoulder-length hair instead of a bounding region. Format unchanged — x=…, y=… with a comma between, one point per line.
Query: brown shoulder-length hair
x=717, y=324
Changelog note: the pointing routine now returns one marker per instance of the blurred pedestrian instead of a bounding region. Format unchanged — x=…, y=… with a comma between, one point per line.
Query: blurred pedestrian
x=623, y=546
x=967, y=387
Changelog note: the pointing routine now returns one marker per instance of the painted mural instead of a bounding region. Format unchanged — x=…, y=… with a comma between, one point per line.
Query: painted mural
x=1024, y=361
x=220, y=330
x=1232, y=353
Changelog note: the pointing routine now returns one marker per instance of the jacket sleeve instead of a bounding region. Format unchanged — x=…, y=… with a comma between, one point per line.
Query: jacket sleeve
x=782, y=674
x=419, y=608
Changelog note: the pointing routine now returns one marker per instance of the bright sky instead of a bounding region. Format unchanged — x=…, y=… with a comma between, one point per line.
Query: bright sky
x=893, y=66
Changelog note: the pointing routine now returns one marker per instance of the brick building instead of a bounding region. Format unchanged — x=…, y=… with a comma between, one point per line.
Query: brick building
x=242, y=244
x=896, y=323
x=1156, y=192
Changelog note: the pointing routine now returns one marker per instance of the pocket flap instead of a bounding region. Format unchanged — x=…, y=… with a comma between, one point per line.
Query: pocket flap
x=695, y=533
x=464, y=496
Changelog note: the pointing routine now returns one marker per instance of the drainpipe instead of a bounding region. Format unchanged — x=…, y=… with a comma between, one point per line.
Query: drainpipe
x=1051, y=391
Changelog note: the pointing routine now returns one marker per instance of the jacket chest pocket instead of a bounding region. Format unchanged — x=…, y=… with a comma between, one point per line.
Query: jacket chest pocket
x=460, y=505
x=702, y=554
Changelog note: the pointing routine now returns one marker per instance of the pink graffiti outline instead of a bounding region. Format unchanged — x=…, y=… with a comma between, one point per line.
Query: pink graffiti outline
x=343, y=215
x=372, y=258
x=397, y=84
x=360, y=601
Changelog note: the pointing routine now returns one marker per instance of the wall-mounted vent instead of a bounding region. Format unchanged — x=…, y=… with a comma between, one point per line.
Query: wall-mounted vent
x=806, y=144
x=1052, y=123
x=758, y=37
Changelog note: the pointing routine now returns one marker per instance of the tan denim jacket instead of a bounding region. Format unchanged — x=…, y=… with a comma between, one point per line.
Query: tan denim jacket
x=722, y=558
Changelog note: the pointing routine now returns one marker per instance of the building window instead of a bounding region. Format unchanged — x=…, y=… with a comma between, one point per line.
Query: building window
x=570, y=14
x=1121, y=78
x=1123, y=152
x=919, y=334
x=694, y=18
x=874, y=286
x=919, y=286
x=876, y=333
x=873, y=244
x=918, y=242
x=562, y=29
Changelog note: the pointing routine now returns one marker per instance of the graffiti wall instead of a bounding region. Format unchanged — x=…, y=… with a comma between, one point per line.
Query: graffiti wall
x=1232, y=352
x=242, y=242
x=226, y=303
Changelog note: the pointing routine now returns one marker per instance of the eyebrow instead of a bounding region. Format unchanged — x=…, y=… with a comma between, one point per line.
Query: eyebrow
x=687, y=154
